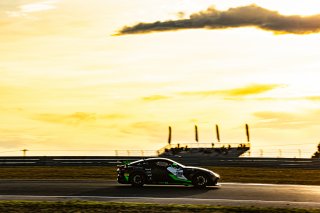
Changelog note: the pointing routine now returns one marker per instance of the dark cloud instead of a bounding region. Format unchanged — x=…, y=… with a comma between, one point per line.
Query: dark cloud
x=245, y=16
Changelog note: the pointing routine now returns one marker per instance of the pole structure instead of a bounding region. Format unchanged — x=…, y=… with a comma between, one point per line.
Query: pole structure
x=169, y=138
x=247, y=133
x=196, y=132
x=217, y=133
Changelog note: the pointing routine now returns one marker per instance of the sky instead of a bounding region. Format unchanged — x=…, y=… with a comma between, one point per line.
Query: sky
x=89, y=77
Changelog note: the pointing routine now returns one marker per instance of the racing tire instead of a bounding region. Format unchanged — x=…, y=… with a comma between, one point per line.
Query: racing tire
x=137, y=179
x=200, y=181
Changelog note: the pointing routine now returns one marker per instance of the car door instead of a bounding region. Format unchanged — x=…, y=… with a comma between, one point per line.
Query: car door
x=159, y=171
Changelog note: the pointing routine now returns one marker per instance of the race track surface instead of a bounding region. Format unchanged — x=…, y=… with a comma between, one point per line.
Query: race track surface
x=232, y=194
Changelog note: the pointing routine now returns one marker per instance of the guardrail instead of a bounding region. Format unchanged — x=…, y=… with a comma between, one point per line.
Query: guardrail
x=193, y=161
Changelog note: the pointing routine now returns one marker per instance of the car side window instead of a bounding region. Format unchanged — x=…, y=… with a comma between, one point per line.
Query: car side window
x=162, y=164
x=144, y=163
x=140, y=163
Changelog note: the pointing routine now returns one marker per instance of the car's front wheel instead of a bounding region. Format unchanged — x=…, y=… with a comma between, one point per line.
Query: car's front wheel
x=200, y=181
x=137, y=180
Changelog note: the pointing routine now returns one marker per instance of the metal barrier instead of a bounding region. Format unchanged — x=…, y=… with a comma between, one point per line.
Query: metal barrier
x=195, y=161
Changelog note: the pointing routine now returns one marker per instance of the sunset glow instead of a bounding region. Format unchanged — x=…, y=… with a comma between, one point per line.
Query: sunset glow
x=68, y=83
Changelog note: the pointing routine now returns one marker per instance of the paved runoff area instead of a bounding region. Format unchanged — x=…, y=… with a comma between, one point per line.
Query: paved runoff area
x=229, y=194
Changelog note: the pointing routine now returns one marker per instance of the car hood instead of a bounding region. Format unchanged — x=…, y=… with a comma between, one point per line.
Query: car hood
x=201, y=169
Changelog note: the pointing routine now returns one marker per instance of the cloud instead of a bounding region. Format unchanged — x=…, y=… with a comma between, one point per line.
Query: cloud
x=114, y=116
x=12, y=92
x=245, y=16
x=22, y=8
x=72, y=119
x=39, y=6
x=253, y=89
x=147, y=128
x=20, y=19
x=270, y=119
x=313, y=98
x=298, y=98
x=15, y=137
x=155, y=98
x=77, y=118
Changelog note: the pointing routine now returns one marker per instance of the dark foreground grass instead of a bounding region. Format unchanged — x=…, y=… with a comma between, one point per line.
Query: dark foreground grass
x=110, y=207
x=228, y=174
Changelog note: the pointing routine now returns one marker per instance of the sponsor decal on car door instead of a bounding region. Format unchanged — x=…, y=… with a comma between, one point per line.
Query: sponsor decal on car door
x=177, y=172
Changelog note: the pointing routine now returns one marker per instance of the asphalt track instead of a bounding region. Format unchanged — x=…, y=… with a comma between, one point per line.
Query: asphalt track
x=230, y=194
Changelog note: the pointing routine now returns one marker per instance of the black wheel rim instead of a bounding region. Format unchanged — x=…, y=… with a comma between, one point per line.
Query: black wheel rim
x=201, y=180
x=137, y=179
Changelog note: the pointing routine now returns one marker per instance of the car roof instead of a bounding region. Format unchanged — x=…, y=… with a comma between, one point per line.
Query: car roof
x=152, y=159
x=158, y=159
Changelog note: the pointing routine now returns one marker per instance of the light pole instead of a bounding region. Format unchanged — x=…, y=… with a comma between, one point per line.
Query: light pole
x=24, y=151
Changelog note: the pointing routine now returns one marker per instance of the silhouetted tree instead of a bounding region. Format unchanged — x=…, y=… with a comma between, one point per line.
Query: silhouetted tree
x=317, y=153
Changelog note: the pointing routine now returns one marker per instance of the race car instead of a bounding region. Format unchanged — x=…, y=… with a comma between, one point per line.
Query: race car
x=164, y=171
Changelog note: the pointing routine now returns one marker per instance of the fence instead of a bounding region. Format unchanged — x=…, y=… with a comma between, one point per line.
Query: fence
x=278, y=152
x=119, y=152
x=192, y=161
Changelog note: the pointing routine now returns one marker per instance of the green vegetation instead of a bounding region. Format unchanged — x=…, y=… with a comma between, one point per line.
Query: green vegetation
x=228, y=174
x=96, y=207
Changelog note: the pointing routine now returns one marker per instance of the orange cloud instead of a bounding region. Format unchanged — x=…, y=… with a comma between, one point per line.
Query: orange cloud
x=253, y=89
x=269, y=119
x=147, y=128
x=76, y=118
x=113, y=116
x=298, y=98
x=313, y=98
x=155, y=98
x=72, y=119
x=10, y=92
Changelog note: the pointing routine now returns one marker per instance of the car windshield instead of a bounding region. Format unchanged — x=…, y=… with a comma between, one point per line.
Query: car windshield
x=139, y=161
x=135, y=162
x=179, y=164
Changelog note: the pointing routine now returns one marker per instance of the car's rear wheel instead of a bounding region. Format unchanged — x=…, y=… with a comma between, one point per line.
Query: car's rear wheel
x=200, y=181
x=137, y=180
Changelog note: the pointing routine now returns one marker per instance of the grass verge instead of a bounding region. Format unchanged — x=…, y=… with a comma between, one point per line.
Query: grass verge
x=110, y=207
x=228, y=174
x=269, y=175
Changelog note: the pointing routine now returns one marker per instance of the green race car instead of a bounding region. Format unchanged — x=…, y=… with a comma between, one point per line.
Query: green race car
x=165, y=171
